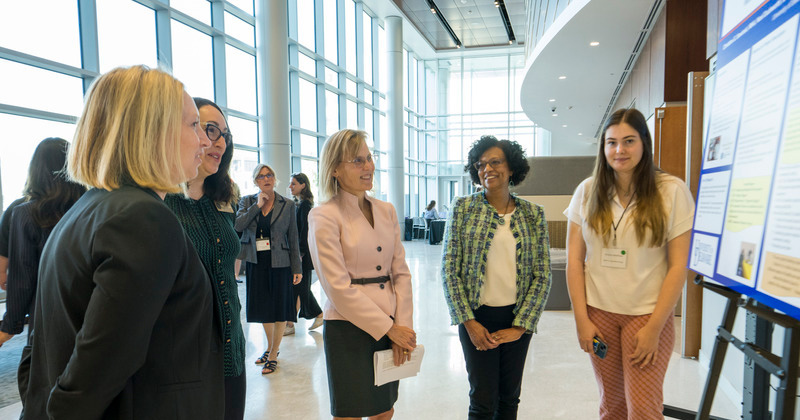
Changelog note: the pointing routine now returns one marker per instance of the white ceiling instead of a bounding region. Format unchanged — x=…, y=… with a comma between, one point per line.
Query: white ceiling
x=592, y=73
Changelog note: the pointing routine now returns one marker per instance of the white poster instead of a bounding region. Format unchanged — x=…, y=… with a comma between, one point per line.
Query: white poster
x=757, y=144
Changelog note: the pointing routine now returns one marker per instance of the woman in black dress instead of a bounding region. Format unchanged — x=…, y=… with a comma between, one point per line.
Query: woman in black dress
x=271, y=249
x=300, y=188
x=48, y=195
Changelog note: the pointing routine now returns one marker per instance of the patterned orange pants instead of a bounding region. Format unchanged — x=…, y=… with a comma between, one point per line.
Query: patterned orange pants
x=628, y=391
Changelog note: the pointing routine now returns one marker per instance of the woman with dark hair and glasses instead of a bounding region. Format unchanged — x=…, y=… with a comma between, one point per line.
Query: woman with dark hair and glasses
x=496, y=271
x=627, y=246
x=300, y=188
x=271, y=250
x=207, y=217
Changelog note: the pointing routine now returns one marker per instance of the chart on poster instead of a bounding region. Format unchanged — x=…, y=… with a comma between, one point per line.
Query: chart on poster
x=747, y=223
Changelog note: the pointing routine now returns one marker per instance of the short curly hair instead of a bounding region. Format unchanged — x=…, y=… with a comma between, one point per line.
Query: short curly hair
x=515, y=158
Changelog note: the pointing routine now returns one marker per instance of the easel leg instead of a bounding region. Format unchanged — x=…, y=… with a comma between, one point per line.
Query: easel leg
x=785, y=401
x=717, y=358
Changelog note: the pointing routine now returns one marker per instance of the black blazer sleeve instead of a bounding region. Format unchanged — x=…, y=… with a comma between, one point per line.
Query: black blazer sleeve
x=131, y=285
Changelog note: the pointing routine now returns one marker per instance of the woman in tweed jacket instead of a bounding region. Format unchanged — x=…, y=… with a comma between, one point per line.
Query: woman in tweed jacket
x=496, y=271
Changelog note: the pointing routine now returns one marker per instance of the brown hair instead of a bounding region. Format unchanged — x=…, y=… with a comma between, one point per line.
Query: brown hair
x=648, y=212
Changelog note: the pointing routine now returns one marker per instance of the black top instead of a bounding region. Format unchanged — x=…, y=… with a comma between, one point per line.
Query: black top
x=303, y=208
x=5, y=226
x=26, y=242
x=125, y=324
x=262, y=225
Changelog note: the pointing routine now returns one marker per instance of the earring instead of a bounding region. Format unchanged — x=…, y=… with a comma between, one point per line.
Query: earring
x=335, y=186
x=510, y=183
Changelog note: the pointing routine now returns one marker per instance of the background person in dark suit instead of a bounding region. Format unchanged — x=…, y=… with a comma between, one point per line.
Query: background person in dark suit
x=300, y=188
x=125, y=324
x=271, y=249
x=48, y=196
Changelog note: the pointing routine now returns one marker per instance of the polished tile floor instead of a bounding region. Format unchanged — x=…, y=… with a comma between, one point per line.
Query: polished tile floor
x=558, y=381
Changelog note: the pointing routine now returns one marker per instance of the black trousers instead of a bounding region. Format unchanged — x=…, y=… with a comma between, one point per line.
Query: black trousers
x=495, y=376
x=309, y=308
x=235, y=395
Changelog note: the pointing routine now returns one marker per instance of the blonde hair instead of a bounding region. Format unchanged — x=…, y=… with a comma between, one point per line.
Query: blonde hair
x=129, y=131
x=258, y=169
x=340, y=146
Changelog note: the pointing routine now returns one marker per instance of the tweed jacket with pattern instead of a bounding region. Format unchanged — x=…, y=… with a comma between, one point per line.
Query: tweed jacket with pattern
x=468, y=236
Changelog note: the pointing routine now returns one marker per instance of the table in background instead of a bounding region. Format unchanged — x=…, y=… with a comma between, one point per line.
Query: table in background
x=436, y=231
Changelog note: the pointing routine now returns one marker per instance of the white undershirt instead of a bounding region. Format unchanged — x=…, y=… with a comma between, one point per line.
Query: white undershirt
x=500, y=286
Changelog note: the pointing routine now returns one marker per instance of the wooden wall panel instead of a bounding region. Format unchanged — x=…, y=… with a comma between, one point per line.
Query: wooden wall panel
x=686, y=24
x=692, y=308
x=669, y=148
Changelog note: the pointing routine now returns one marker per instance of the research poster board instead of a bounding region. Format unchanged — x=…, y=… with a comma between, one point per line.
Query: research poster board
x=747, y=223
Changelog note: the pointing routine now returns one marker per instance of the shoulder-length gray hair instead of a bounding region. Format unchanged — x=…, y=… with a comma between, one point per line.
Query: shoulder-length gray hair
x=258, y=169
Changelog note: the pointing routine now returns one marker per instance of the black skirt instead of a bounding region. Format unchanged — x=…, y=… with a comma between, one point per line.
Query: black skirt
x=269, y=292
x=351, y=380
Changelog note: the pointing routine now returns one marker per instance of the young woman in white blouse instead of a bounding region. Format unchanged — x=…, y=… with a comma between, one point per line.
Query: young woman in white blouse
x=628, y=243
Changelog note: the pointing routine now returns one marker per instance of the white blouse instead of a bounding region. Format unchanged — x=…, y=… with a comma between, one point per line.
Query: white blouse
x=632, y=290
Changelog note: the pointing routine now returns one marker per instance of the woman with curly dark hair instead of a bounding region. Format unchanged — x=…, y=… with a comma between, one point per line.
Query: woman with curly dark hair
x=496, y=271
x=48, y=195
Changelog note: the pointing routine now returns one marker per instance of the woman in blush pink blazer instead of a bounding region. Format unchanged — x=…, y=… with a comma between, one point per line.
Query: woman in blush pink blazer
x=354, y=242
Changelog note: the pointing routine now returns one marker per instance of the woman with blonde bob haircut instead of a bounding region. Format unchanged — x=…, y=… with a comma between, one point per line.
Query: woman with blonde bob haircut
x=125, y=325
x=354, y=242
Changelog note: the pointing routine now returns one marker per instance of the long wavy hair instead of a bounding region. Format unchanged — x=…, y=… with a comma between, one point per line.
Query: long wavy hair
x=305, y=193
x=219, y=186
x=647, y=212
x=48, y=188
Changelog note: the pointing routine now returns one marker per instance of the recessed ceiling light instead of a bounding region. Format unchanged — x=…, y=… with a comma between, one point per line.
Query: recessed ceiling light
x=555, y=115
x=580, y=134
x=564, y=125
x=433, y=11
x=594, y=43
x=562, y=77
x=552, y=100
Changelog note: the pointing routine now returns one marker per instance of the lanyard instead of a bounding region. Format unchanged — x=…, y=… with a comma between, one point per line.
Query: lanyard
x=615, y=226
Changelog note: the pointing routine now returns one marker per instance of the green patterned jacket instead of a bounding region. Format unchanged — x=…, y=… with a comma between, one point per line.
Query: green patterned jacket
x=468, y=235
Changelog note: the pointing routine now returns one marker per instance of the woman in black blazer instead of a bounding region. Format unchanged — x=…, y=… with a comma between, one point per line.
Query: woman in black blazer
x=271, y=251
x=125, y=326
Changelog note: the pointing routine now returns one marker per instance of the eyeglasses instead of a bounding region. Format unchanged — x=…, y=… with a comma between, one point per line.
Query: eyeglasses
x=214, y=133
x=260, y=177
x=494, y=163
x=359, y=161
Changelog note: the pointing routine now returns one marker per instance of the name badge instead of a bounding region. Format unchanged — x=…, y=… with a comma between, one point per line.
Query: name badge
x=614, y=258
x=262, y=244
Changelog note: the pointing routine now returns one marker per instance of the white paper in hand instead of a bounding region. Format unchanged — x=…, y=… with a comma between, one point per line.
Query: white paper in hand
x=386, y=371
